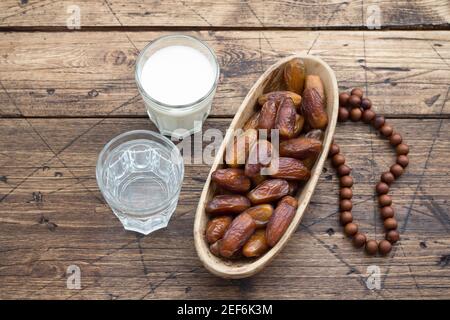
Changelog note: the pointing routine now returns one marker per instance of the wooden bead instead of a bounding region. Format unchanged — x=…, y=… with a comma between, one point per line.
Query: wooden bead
x=346, y=181
x=402, y=149
x=334, y=150
x=390, y=223
x=378, y=122
x=396, y=170
x=350, y=229
x=355, y=114
x=343, y=114
x=371, y=247
x=386, y=130
x=368, y=116
x=403, y=160
x=354, y=101
x=345, y=205
x=382, y=188
x=359, y=240
x=387, y=177
x=346, y=193
x=384, y=200
x=357, y=92
x=338, y=160
x=386, y=212
x=345, y=217
x=343, y=98
x=395, y=139
x=366, y=104
x=343, y=170
x=393, y=236
x=384, y=247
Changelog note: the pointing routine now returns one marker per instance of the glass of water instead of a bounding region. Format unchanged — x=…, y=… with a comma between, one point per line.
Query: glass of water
x=140, y=174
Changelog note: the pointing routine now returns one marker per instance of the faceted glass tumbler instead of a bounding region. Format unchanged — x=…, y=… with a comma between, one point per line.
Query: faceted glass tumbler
x=140, y=174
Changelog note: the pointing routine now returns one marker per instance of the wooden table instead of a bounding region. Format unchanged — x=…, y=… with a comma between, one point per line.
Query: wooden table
x=65, y=93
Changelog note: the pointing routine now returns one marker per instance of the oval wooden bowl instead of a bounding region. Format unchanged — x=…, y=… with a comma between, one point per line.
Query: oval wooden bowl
x=235, y=269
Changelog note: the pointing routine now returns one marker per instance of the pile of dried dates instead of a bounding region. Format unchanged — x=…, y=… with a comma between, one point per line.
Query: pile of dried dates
x=251, y=210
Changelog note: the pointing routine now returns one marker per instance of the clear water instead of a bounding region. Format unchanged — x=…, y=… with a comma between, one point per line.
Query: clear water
x=140, y=175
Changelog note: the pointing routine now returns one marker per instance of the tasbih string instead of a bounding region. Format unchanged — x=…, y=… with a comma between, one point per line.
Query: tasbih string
x=356, y=107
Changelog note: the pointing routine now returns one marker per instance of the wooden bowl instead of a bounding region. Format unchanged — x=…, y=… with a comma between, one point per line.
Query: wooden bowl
x=235, y=269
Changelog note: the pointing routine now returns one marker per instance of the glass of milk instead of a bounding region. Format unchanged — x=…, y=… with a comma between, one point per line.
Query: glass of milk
x=177, y=76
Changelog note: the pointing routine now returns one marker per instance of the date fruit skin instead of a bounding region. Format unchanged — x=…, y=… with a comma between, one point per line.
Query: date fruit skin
x=237, y=153
x=260, y=156
x=290, y=201
x=215, y=248
x=293, y=187
x=227, y=204
x=252, y=123
x=315, y=134
x=258, y=179
x=240, y=230
x=294, y=75
x=268, y=191
x=261, y=214
x=313, y=108
x=285, y=120
x=313, y=103
x=280, y=220
x=314, y=82
x=256, y=245
x=300, y=148
x=275, y=81
x=277, y=96
x=299, y=122
x=232, y=179
x=310, y=161
x=268, y=115
x=291, y=169
x=216, y=228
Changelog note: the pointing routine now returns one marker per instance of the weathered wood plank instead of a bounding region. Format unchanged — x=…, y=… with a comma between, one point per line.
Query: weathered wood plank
x=221, y=13
x=78, y=228
x=92, y=73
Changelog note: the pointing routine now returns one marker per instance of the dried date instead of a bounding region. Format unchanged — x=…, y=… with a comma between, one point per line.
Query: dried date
x=268, y=191
x=256, y=245
x=280, y=220
x=216, y=228
x=294, y=75
x=231, y=179
x=227, y=204
x=261, y=214
x=291, y=169
x=300, y=148
x=285, y=120
x=240, y=230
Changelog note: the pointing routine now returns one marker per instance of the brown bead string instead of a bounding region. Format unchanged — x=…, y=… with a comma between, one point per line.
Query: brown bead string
x=356, y=107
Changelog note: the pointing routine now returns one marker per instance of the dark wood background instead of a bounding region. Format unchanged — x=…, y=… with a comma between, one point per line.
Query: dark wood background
x=64, y=94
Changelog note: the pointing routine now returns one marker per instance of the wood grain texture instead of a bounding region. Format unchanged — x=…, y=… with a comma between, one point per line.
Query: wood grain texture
x=92, y=73
x=52, y=216
x=223, y=13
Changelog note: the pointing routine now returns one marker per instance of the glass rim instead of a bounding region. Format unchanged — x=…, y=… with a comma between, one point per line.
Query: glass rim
x=109, y=198
x=179, y=106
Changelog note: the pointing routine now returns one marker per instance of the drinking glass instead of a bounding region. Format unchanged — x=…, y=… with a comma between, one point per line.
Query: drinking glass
x=177, y=120
x=140, y=174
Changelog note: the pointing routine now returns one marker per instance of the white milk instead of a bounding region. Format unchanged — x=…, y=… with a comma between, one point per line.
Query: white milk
x=178, y=75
